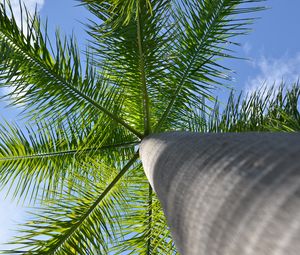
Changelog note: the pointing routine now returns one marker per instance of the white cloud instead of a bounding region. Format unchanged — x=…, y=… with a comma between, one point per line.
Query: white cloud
x=31, y=5
x=274, y=71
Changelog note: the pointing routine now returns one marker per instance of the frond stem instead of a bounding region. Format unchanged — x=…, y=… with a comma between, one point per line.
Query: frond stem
x=146, y=107
x=67, y=152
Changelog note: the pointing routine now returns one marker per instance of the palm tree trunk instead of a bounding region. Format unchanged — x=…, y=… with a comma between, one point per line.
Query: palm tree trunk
x=228, y=194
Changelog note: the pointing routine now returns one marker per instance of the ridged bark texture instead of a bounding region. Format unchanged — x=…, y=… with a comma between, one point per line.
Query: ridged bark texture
x=228, y=194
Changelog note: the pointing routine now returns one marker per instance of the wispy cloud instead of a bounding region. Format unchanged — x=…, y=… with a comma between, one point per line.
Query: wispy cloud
x=247, y=48
x=274, y=71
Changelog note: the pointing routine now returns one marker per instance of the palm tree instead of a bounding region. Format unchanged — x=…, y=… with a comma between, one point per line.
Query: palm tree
x=231, y=193
x=151, y=66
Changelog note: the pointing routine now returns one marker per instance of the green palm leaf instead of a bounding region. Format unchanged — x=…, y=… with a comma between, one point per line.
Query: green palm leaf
x=135, y=53
x=204, y=31
x=52, y=85
x=80, y=222
x=39, y=161
x=267, y=109
x=144, y=227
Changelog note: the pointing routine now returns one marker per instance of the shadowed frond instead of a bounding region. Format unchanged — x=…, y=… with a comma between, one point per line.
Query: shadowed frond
x=144, y=227
x=117, y=12
x=137, y=55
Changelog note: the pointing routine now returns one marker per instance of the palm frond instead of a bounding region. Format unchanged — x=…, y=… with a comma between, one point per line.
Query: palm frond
x=204, y=33
x=37, y=161
x=144, y=228
x=267, y=109
x=52, y=84
x=117, y=12
x=136, y=54
x=79, y=223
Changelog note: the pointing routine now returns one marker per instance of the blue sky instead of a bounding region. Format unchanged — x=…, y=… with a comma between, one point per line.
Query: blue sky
x=273, y=50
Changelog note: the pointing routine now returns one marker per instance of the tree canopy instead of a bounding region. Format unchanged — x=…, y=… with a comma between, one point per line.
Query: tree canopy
x=150, y=66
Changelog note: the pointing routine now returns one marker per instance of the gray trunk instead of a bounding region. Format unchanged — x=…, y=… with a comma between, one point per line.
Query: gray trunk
x=228, y=194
